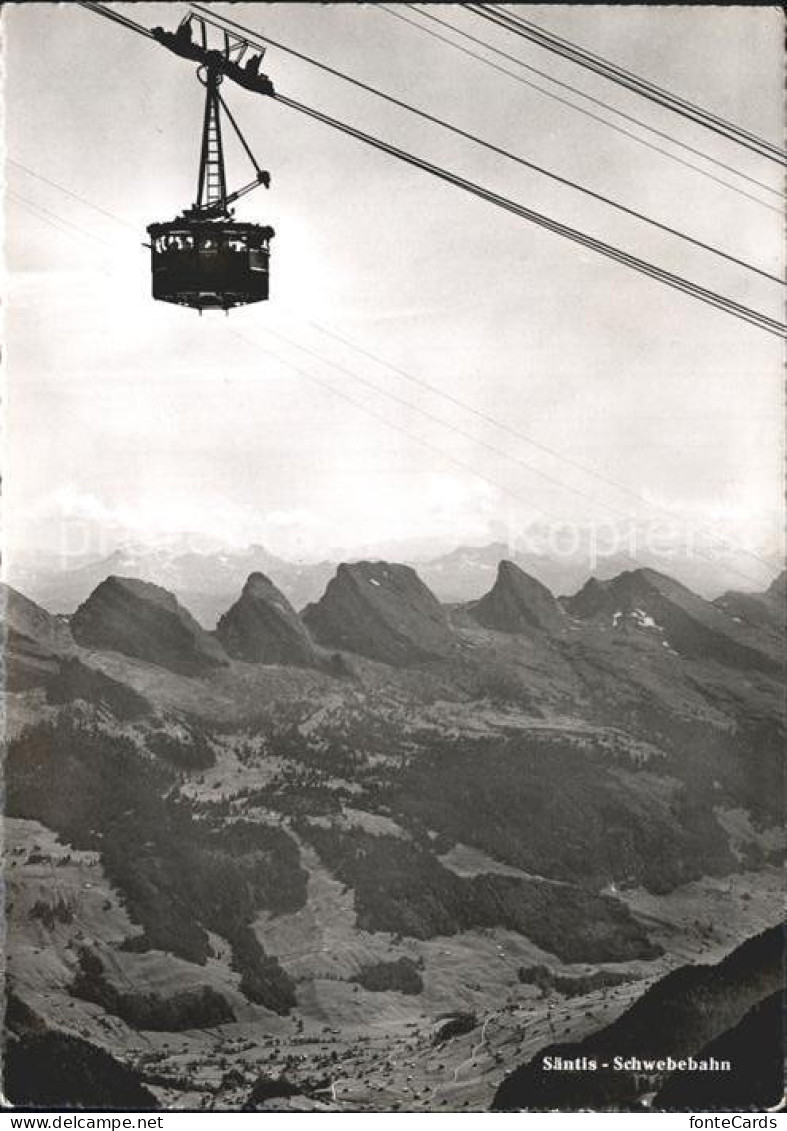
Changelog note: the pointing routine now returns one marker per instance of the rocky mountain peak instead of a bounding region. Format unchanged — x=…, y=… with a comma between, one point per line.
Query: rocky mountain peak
x=517, y=603
x=629, y=590
x=262, y=627
x=382, y=610
x=147, y=622
x=593, y=598
x=646, y=599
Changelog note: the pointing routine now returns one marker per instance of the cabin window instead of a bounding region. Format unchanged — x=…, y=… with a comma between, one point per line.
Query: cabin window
x=175, y=241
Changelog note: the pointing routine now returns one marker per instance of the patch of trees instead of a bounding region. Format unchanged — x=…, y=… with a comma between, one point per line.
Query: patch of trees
x=199, y=1008
x=400, y=975
x=401, y=888
x=179, y=877
x=455, y=1026
x=576, y=985
x=263, y=980
x=75, y=680
x=270, y=1088
x=294, y=792
x=191, y=751
x=50, y=913
x=551, y=809
x=57, y=1070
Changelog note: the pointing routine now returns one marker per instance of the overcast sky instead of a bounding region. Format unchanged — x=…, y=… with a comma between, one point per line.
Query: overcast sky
x=142, y=420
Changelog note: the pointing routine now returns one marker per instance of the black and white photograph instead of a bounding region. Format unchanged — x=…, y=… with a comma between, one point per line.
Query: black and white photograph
x=393, y=584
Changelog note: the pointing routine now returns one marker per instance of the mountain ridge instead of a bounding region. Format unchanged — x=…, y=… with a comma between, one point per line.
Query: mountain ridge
x=761, y=610
x=207, y=581
x=381, y=610
x=516, y=603
x=262, y=626
x=145, y=621
x=691, y=626
x=465, y=800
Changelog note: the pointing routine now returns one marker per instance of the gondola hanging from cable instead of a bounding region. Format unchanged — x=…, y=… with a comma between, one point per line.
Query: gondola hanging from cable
x=205, y=259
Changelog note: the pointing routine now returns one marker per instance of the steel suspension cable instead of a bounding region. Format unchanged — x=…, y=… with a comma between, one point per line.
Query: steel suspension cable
x=463, y=433
x=58, y=221
x=68, y=192
x=523, y=436
x=756, y=318
x=590, y=98
x=101, y=10
x=385, y=418
x=491, y=147
x=761, y=321
x=514, y=22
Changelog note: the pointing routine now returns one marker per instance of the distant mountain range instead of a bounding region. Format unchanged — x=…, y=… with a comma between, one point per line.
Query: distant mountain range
x=386, y=612
x=207, y=581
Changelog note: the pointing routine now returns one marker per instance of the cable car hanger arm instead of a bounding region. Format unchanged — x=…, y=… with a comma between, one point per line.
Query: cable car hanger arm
x=263, y=177
x=220, y=63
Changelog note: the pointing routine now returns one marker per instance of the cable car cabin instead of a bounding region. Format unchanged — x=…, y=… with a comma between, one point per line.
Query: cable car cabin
x=205, y=259
x=210, y=264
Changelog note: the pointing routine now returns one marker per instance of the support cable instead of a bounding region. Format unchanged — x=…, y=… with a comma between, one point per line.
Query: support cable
x=764, y=322
x=515, y=23
x=466, y=135
x=582, y=110
x=721, y=302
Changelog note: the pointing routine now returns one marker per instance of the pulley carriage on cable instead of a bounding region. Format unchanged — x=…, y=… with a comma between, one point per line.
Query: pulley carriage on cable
x=205, y=258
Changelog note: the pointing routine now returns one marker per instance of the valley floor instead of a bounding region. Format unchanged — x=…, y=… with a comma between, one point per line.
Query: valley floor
x=344, y=1047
